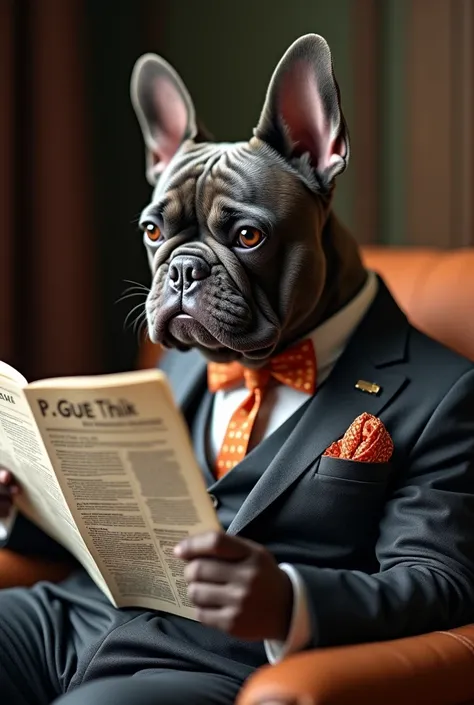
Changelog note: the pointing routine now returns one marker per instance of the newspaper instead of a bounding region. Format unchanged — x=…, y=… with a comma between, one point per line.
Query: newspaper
x=107, y=469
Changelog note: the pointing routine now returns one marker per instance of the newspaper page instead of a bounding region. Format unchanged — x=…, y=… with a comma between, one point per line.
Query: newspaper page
x=22, y=451
x=125, y=464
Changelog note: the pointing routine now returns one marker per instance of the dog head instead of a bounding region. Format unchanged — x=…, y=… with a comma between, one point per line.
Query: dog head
x=235, y=232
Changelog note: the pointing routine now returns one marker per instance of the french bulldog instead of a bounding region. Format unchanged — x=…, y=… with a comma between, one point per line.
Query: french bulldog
x=245, y=251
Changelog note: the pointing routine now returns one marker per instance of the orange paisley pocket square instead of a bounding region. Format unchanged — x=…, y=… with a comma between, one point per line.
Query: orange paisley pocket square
x=366, y=441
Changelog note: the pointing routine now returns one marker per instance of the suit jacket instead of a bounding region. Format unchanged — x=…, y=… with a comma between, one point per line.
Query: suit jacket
x=385, y=550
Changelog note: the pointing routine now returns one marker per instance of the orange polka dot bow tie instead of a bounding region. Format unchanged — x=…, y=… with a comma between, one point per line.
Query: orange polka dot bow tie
x=296, y=367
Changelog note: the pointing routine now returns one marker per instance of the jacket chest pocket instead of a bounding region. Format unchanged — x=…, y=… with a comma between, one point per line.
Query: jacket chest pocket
x=353, y=470
x=349, y=499
x=331, y=516
x=336, y=508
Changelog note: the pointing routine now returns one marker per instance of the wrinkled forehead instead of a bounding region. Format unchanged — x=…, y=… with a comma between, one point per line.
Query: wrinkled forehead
x=211, y=180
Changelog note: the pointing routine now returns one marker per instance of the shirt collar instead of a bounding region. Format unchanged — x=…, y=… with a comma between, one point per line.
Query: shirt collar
x=331, y=337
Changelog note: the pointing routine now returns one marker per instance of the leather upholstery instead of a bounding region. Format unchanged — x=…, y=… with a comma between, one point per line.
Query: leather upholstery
x=434, y=669
x=436, y=290
x=25, y=570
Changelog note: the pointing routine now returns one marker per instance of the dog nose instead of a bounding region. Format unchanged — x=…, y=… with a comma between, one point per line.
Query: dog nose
x=185, y=270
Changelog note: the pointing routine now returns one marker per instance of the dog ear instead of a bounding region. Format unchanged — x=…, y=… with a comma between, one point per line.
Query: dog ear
x=302, y=117
x=164, y=110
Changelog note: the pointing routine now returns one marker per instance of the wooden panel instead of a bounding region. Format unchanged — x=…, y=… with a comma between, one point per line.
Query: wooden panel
x=463, y=122
x=365, y=132
x=7, y=177
x=440, y=119
x=63, y=248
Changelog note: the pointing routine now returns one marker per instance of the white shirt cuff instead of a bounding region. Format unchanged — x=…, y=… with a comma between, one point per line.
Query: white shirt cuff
x=6, y=525
x=299, y=633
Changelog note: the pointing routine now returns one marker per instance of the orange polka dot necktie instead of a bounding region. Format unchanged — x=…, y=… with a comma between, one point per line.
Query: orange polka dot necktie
x=296, y=367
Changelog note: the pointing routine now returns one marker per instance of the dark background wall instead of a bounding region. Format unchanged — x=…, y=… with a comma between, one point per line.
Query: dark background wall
x=72, y=163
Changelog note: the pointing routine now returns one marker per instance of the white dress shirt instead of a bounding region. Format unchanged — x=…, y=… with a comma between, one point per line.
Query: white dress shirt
x=279, y=403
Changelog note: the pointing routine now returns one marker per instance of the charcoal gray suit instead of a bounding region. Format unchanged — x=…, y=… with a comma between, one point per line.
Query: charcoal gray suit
x=385, y=550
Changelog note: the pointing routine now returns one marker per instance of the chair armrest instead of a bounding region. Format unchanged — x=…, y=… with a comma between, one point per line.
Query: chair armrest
x=17, y=570
x=434, y=668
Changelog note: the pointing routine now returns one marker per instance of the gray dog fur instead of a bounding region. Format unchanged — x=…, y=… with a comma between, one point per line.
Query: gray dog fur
x=208, y=292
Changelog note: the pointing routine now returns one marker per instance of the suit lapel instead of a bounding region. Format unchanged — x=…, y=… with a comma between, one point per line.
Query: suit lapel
x=186, y=373
x=379, y=341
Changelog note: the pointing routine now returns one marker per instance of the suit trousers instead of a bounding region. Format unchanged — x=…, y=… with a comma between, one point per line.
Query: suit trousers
x=67, y=644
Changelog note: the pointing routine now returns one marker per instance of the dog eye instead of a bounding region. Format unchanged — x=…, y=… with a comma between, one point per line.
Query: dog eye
x=152, y=231
x=249, y=237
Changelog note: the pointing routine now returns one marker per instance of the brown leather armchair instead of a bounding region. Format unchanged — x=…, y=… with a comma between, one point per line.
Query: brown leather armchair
x=436, y=289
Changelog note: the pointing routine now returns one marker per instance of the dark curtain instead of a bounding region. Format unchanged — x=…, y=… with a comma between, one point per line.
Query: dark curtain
x=71, y=182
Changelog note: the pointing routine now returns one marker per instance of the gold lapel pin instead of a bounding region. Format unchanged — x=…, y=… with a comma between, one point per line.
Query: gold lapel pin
x=368, y=387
